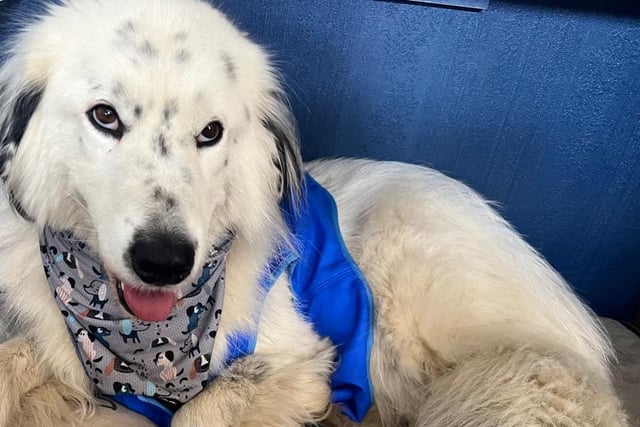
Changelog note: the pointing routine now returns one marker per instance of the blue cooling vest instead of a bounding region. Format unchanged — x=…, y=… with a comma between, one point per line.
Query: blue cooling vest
x=335, y=296
x=331, y=293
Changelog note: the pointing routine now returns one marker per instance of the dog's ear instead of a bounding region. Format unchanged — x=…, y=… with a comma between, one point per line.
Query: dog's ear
x=16, y=110
x=25, y=55
x=23, y=72
x=18, y=101
x=280, y=122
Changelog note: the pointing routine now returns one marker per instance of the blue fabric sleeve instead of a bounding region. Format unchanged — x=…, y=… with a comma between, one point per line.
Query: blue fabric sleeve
x=335, y=296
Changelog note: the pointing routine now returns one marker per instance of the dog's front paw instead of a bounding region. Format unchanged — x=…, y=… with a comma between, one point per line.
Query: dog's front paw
x=18, y=375
x=30, y=395
x=255, y=391
x=18, y=365
x=224, y=401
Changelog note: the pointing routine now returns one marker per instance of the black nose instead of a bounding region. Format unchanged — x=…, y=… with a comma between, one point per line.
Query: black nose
x=161, y=258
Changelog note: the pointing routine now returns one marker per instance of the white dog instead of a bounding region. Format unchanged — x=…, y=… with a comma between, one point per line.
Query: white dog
x=150, y=131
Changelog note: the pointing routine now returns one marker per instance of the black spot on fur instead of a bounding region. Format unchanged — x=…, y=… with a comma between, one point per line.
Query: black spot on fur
x=161, y=145
x=137, y=111
x=186, y=174
x=182, y=56
x=170, y=110
x=229, y=66
x=170, y=203
x=118, y=89
x=127, y=28
x=146, y=49
x=249, y=369
x=126, y=34
x=161, y=196
x=258, y=372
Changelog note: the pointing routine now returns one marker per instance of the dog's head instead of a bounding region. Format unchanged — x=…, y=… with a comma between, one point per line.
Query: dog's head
x=148, y=128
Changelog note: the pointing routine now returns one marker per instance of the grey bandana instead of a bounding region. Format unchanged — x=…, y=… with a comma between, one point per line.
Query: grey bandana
x=167, y=360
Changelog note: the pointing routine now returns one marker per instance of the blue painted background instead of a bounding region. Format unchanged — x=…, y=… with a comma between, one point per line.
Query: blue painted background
x=536, y=107
x=534, y=104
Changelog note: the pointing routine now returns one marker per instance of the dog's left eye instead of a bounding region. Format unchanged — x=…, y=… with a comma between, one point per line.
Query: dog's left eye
x=211, y=134
x=105, y=119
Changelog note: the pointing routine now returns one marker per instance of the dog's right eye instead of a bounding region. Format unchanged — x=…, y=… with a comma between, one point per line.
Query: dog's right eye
x=210, y=135
x=105, y=119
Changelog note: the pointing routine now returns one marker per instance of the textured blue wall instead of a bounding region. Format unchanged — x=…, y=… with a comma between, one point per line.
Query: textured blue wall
x=534, y=105
x=537, y=108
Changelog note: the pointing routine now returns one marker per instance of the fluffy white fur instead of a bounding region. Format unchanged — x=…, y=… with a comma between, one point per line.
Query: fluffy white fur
x=472, y=326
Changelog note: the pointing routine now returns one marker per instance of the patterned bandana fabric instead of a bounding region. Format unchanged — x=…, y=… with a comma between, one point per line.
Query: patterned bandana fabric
x=167, y=360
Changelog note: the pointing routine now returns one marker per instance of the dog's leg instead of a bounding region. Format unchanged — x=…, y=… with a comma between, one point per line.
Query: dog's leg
x=520, y=387
x=284, y=383
x=261, y=390
x=30, y=395
x=19, y=373
x=429, y=361
x=53, y=353
x=40, y=373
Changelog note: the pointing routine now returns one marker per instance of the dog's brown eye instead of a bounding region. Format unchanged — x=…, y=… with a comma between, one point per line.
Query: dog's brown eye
x=105, y=116
x=211, y=134
x=105, y=119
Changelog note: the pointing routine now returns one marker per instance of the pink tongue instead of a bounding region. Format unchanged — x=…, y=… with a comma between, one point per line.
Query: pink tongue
x=146, y=305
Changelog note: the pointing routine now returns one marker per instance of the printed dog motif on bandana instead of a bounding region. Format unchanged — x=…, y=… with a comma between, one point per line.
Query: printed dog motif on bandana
x=167, y=360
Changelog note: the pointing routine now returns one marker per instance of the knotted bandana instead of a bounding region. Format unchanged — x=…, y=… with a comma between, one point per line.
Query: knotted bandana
x=166, y=360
